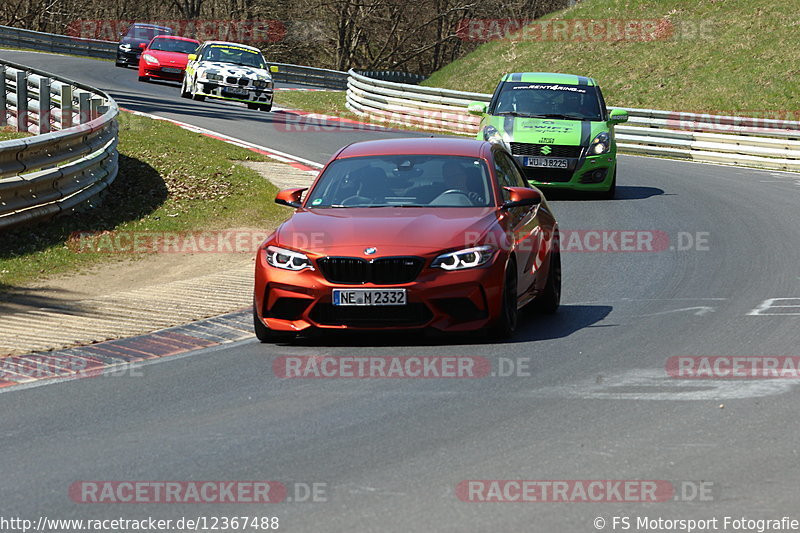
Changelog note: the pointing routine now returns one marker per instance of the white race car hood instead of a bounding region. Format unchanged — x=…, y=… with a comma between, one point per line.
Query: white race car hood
x=230, y=69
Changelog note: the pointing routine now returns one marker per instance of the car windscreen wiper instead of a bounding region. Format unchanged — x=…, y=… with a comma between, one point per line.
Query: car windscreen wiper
x=513, y=114
x=561, y=116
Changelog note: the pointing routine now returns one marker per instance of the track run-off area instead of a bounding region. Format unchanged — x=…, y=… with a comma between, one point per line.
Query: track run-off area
x=581, y=395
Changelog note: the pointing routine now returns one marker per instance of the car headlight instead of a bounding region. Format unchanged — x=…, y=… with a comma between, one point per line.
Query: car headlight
x=491, y=134
x=125, y=47
x=213, y=77
x=150, y=59
x=287, y=259
x=463, y=259
x=601, y=144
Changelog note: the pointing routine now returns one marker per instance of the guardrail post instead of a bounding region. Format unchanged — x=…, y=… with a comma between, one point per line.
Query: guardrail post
x=94, y=108
x=44, y=105
x=83, y=108
x=66, y=106
x=22, y=101
x=3, y=105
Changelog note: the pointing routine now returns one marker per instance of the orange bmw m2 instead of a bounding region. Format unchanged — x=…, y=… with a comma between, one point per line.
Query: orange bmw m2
x=409, y=234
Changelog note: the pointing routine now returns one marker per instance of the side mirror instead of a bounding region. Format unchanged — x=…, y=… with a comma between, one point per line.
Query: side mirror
x=142, y=46
x=522, y=197
x=290, y=197
x=618, y=116
x=191, y=57
x=477, y=108
x=273, y=68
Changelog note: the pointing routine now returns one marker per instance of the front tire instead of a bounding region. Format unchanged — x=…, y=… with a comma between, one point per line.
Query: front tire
x=550, y=298
x=266, y=335
x=184, y=91
x=144, y=78
x=266, y=107
x=506, y=323
x=195, y=96
x=612, y=190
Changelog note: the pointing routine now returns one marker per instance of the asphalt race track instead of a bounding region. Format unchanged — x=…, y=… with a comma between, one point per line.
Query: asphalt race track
x=595, y=402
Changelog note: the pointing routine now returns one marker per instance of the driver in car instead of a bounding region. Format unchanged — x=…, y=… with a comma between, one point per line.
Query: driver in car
x=456, y=178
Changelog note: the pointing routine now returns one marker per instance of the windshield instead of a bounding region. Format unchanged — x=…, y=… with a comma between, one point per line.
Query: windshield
x=174, y=45
x=403, y=181
x=145, y=33
x=234, y=54
x=547, y=100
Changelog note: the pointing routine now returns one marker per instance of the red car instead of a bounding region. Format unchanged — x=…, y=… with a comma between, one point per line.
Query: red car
x=409, y=233
x=165, y=57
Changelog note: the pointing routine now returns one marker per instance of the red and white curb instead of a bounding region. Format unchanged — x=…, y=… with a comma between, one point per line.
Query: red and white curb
x=113, y=356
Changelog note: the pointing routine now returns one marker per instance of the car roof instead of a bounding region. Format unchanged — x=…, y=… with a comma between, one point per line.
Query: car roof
x=175, y=38
x=416, y=146
x=549, y=77
x=226, y=43
x=143, y=25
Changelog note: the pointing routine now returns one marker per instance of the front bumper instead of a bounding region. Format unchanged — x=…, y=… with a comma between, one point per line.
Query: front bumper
x=592, y=173
x=224, y=91
x=156, y=71
x=447, y=301
x=129, y=57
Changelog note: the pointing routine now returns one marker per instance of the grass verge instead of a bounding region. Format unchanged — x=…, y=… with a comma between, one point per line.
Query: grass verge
x=722, y=56
x=170, y=180
x=7, y=134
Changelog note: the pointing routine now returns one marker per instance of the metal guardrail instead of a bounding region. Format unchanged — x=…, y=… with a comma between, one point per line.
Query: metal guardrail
x=58, y=44
x=394, y=75
x=73, y=155
x=734, y=140
x=318, y=77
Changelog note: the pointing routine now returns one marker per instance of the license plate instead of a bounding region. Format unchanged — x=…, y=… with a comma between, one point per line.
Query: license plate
x=171, y=70
x=546, y=162
x=369, y=297
x=236, y=90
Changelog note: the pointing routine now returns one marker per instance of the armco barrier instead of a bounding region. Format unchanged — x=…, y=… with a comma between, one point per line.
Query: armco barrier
x=744, y=141
x=57, y=44
x=73, y=155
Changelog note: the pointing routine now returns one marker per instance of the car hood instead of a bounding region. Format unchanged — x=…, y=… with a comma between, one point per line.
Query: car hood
x=175, y=59
x=230, y=69
x=546, y=131
x=392, y=230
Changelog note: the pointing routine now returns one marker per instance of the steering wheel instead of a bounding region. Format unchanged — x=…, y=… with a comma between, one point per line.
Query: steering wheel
x=473, y=197
x=356, y=200
x=451, y=192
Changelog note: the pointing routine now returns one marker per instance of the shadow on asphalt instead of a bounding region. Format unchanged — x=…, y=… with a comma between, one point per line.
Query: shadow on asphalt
x=531, y=327
x=624, y=192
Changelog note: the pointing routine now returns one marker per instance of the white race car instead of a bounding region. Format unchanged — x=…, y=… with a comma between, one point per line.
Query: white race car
x=229, y=71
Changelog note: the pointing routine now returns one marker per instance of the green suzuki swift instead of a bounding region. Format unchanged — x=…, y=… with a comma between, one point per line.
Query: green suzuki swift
x=557, y=127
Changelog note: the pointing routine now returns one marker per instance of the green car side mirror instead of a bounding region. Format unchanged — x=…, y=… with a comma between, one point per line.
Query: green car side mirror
x=618, y=116
x=477, y=108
